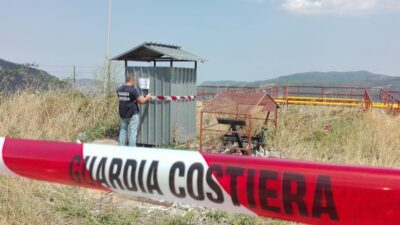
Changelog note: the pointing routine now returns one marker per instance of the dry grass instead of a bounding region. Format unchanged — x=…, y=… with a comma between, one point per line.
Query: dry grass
x=339, y=135
x=58, y=115
x=24, y=201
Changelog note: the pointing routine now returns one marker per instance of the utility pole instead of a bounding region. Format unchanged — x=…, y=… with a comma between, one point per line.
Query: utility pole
x=74, y=77
x=107, y=58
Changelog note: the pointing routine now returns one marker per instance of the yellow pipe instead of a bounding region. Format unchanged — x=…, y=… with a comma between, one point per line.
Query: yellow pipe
x=318, y=98
x=326, y=100
x=327, y=103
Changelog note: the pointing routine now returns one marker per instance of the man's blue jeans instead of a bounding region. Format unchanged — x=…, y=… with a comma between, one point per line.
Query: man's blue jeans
x=128, y=129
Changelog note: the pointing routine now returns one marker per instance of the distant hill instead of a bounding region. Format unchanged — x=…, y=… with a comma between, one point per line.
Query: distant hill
x=15, y=76
x=88, y=85
x=354, y=78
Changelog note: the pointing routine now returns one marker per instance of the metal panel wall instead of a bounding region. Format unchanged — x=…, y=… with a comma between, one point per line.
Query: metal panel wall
x=163, y=123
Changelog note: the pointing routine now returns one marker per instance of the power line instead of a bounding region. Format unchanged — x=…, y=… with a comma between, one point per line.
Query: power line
x=70, y=71
x=67, y=66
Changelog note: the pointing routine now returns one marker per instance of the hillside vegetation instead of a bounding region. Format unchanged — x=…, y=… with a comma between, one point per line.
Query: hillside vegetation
x=14, y=77
x=337, y=135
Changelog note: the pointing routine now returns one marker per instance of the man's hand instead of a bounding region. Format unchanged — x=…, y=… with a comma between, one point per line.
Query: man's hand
x=142, y=100
x=148, y=96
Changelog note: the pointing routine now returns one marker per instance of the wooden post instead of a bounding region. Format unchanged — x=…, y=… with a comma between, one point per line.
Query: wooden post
x=267, y=118
x=74, y=78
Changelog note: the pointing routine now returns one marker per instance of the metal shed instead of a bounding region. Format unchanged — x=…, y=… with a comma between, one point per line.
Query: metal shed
x=171, y=116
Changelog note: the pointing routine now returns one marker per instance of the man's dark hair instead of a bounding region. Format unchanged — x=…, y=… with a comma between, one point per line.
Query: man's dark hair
x=129, y=78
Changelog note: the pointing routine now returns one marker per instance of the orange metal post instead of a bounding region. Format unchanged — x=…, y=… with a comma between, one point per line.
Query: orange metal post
x=201, y=131
x=249, y=145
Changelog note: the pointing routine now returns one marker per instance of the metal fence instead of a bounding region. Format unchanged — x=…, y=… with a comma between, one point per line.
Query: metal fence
x=368, y=97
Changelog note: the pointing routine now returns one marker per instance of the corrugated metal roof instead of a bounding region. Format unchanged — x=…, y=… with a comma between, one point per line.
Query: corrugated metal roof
x=149, y=51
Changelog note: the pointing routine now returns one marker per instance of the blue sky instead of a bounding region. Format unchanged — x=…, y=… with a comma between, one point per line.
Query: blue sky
x=242, y=39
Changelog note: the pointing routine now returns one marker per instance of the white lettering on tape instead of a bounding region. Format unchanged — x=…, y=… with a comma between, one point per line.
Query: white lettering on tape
x=172, y=175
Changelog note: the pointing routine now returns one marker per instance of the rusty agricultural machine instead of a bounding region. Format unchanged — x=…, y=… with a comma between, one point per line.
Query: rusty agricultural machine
x=236, y=122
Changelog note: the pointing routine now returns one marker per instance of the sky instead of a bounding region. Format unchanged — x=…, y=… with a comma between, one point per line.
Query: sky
x=243, y=40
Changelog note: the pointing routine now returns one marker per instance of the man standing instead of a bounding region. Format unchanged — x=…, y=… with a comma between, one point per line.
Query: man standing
x=129, y=98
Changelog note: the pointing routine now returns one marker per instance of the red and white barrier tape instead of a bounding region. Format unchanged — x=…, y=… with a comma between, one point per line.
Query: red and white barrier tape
x=173, y=98
x=290, y=190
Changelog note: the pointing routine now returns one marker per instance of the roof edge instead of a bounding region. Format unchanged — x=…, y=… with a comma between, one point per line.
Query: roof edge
x=148, y=45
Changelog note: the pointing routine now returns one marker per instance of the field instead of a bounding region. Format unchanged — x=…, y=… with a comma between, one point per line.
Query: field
x=324, y=134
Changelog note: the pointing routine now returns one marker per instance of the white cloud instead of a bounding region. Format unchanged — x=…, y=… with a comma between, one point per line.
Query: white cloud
x=355, y=7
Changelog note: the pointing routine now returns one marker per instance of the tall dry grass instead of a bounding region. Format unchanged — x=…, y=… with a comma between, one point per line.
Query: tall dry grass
x=58, y=115
x=338, y=135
